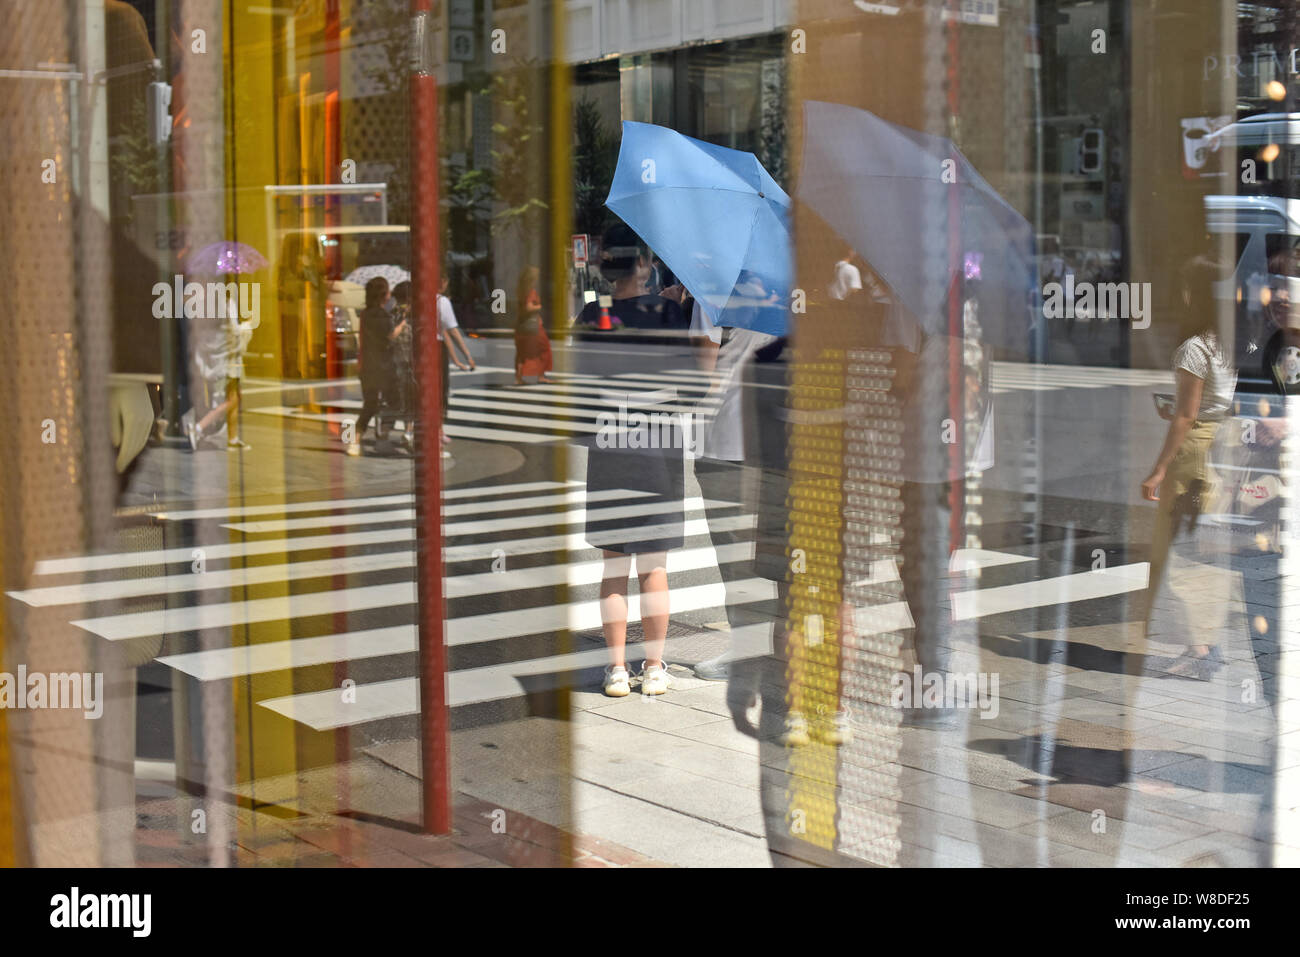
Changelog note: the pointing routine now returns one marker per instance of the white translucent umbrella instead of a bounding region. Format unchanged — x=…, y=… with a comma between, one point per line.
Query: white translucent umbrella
x=394, y=274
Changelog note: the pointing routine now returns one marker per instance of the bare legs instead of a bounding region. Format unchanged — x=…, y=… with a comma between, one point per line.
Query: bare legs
x=229, y=409
x=652, y=572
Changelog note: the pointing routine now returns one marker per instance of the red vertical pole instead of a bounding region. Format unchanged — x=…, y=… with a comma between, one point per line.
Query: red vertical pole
x=333, y=67
x=333, y=260
x=333, y=143
x=435, y=767
x=956, y=357
x=333, y=367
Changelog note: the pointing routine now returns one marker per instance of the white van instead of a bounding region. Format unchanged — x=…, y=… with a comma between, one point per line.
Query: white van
x=1262, y=129
x=1265, y=283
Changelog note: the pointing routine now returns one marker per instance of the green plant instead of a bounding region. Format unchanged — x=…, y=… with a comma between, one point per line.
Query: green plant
x=134, y=161
x=518, y=149
x=470, y=190
x=595, y=156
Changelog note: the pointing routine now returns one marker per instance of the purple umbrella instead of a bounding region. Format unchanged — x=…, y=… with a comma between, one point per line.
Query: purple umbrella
x=227, y=256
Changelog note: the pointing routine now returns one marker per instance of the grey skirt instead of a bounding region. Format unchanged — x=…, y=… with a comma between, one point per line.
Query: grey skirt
x=651, y=516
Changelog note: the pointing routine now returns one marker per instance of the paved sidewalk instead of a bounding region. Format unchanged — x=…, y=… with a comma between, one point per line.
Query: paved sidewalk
x=1090, y=762
x=262, y=840
x=670, y=781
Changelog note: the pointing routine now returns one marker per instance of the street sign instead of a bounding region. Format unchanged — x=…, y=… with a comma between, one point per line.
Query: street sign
x=579, y=249
x=460, y=13
x=461, y=43
x=982, y=13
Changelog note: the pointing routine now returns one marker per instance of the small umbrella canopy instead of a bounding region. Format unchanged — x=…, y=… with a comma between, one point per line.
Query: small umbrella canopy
x=715, y=216
x=395, y=275
x=225, y=258
x=888, y=191
x=350, y=295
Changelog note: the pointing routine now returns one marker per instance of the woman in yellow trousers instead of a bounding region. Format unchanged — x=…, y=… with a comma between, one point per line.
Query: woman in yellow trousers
x=1181, y=480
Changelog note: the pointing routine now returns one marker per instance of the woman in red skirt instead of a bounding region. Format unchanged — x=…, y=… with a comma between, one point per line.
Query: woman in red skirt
x=532, y=347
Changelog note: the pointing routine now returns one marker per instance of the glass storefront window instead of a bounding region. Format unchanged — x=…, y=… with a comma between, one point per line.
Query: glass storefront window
x=698, y=433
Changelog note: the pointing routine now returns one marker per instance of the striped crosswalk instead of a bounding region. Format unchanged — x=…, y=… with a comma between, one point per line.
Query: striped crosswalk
x=567, y=409
x=331, y=582
x=559, y=411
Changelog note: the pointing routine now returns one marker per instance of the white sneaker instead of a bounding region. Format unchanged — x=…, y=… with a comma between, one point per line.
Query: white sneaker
x=354, y=449
x=191, y=430
x=617, y=684
x=654, y=679
x=715, y=669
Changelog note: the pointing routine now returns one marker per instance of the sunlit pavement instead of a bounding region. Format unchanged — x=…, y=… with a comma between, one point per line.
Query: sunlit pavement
x=1091, y=760
x=331, y=840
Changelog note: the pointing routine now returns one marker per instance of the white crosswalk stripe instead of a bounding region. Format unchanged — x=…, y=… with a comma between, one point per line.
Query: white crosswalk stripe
x=405, y=498
x=1028, y=377
x=477, y=526
x=1097, y=583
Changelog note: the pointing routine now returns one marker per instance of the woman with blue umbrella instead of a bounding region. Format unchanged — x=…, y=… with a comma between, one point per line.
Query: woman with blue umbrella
x=715, y=217
x=630, y=454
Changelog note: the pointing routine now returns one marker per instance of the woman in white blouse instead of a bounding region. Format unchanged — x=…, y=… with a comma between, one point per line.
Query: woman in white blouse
x=1180, y=479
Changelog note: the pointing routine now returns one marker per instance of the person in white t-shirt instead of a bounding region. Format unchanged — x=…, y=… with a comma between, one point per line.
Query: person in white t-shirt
x=449, y=340
x=848, y=278
x=1180, y=481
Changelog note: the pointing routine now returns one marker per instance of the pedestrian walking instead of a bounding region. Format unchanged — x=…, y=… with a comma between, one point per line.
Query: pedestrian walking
x=532, y=345
x=848, y=278
x=219, y=346
x=1181, y=481
x=401, y=403
x=378, y=330
x=451, y=346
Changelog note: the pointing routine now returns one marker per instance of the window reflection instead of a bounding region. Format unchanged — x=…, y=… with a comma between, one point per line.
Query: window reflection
x=761, y=434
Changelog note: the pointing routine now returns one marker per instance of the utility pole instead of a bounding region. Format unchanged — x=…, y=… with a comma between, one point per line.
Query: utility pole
x=435, y=792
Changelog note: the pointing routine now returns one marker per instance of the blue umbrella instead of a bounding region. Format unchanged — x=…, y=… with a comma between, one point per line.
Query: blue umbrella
x=889, y=192
x=224, y=258
x=715, y=216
